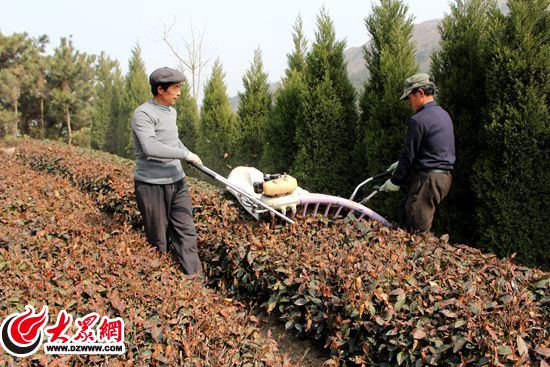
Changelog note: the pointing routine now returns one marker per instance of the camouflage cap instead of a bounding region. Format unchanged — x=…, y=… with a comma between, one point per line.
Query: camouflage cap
x=414, y=82
x=166, y=75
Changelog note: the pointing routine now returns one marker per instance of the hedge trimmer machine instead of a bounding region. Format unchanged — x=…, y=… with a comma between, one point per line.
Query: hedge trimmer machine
x=280, y=195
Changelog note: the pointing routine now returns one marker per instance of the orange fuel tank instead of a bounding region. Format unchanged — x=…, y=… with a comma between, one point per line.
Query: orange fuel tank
x=280, y=186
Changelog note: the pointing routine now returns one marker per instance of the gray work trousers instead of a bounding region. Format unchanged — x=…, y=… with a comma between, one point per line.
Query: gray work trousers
x=167, y=213
x=416, y=210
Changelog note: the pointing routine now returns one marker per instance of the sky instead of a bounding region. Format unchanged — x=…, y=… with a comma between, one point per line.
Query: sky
x=231, y=29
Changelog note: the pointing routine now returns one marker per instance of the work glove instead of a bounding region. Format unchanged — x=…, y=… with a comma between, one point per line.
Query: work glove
x=392, y=167
x=389, y=186
x=193, y=158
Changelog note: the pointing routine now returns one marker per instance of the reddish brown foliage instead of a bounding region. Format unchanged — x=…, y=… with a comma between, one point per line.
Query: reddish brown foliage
x=58, y=249
x=377, y=296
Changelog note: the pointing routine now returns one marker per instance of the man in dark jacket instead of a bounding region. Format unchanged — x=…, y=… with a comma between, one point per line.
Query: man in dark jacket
x=428, y=156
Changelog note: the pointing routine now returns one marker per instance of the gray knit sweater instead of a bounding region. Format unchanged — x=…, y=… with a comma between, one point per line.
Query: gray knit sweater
x=157, y=148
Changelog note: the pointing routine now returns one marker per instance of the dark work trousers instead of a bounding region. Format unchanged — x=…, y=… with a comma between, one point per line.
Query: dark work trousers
x=167, y=214
x=416, y=210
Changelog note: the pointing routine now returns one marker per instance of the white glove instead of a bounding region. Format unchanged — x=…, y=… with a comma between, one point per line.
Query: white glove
x=389, y=186
x=193, y=158
x=392, y=167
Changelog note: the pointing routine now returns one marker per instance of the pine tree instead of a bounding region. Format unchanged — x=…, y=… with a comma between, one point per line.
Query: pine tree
x=35, y=94
x=22, y=70
x=253, y=112
x=513, y=174
x=390, y=59
x=217, y=123
x=10, y=90
x=459, y=69
x=70, y=79
x=326, y=136
x=280, y=131
x=188, y=117
x=136, y=91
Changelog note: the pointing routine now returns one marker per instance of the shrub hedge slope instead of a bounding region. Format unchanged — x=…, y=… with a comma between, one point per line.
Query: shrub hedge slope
x=58, y=249
x=375, y=296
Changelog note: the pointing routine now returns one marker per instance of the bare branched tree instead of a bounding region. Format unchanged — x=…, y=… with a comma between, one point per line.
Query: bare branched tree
x=196, y=58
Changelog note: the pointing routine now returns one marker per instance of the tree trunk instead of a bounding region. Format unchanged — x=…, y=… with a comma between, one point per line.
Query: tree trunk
x=42, y=125
x=68, y=119
x=16, y=122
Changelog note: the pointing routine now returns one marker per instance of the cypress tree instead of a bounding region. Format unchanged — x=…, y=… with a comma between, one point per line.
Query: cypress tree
x=217, y=123
x=329, y=116
x=254, y=109
x=106, y=71
x=280, y=131
x=136, y=91
x=297, y=59
x=513, y=174
x=118, y=125
x=188, y=117
x=459, y=69
x=390, y=58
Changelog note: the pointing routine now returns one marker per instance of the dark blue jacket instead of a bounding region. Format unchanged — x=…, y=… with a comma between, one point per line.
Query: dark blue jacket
x=430, y=143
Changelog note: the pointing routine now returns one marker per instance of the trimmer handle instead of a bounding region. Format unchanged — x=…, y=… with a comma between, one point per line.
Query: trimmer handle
x=380, y=175
x=383, y=174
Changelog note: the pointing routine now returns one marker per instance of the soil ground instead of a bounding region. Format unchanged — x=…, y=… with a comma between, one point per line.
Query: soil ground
x=302, y=351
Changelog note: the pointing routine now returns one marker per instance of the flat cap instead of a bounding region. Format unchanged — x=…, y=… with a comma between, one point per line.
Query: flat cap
x=166, y=75
x=414, y=82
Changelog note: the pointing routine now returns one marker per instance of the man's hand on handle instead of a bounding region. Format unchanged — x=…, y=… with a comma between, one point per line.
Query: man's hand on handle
x=392, y=167
x=389, y=186
x=193, y=158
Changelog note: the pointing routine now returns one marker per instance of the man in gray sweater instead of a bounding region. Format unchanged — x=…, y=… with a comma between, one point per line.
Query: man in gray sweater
x=162, y=195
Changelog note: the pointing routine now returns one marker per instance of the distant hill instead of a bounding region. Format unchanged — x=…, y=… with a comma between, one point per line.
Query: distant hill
x=425, y=35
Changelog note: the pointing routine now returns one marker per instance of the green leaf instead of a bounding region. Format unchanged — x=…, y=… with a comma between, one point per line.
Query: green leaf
x=300, y=302
x=316, y=300
x=341, y=342
x=504, y=350
x=271, y=303
x=400, y=302
x=474, y=308
x=448, y=313
x=372, y=310
x=458, y=343
x=146, y=354
x=400, y=357
x=412, y=281
x=459, y=323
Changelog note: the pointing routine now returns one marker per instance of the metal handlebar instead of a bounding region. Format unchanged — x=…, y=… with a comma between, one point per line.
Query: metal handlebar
x=226, y=182
x=380, y=175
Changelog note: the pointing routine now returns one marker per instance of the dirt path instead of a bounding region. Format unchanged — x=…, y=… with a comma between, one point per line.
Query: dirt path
x=303, y=351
